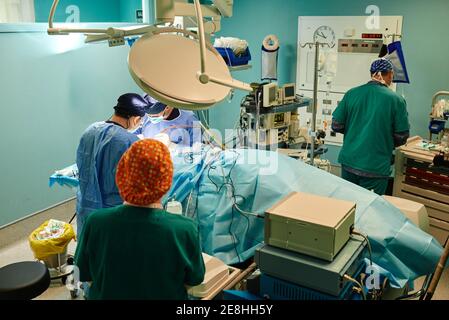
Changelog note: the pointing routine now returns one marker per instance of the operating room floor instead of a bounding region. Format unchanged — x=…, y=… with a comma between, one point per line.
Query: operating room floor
x=19, y=250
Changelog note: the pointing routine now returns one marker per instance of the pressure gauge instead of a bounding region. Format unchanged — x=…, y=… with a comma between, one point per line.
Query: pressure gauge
x=325, y=34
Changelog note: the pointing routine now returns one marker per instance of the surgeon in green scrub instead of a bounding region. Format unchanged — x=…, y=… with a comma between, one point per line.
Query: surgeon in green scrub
x=138, y=251
x=374, y=121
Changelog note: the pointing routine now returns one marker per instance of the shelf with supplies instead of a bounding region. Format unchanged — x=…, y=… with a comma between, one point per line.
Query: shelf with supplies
x=290, y=107
x=418, y=179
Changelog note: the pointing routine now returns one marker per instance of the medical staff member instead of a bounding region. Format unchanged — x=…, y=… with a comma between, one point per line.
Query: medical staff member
x=374, y=121
x=180, y=125
x=138, y=250
x=99, y=151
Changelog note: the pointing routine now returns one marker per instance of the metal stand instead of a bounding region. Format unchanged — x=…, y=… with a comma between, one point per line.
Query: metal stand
x=315, y=93
x=393, y=36
x=258, y=102
x=438, y=272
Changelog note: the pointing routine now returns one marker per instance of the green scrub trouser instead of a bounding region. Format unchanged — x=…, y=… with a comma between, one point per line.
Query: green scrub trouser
x=378, y=185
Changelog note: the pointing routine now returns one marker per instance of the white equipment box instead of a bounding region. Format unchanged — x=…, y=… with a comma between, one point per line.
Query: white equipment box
x=310, y=224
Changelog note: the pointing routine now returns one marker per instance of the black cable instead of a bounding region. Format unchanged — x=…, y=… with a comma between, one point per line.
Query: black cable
x=232, y=220
x=234, y=240
x=219, y=188
x=210, y=178
x=365, y=237
x=188, y=157
x=248, y=227
x=73, y=218
x=228, y=181
x=248, y=223
x=232, y=185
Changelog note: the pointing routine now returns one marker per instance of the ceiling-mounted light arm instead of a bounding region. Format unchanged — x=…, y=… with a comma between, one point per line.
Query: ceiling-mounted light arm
x=63, y=31
x=52, y=14
x=234, y=84
x=225, y=7
x=120, y=33
x=202, y=37
x=203, y=77
x=95, y=34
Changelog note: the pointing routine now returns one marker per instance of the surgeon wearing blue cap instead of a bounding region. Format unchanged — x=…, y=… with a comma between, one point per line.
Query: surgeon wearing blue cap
x=180, y=125
x=374, y=121
x=99, y=151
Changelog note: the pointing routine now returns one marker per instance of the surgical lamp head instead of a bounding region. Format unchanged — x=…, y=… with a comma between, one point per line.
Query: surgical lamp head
x=184, y=72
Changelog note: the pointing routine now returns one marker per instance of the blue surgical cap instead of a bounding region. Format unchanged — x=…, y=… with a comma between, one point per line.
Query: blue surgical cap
x=131, y=105
x=154, y=106
x=381, y=65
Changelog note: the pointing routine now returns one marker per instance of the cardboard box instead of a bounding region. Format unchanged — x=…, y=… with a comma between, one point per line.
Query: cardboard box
x=310, y=224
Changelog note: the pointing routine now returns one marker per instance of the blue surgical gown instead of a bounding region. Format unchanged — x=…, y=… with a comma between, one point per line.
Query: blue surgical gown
x=180, y=130
x=101, y=148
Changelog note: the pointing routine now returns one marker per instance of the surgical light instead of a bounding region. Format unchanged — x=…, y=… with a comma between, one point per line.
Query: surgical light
x=175, y=66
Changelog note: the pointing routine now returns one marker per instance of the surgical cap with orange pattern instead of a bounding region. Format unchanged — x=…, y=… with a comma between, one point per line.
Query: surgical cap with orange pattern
x=145, y=173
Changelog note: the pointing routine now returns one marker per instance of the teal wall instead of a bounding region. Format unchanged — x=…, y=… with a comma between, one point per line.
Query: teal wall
x=51, y=89
x=425, y=43
x=90, y=10
x=128, y=10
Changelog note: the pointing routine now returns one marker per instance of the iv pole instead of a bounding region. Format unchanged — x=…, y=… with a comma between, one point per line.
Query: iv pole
x=315, y=93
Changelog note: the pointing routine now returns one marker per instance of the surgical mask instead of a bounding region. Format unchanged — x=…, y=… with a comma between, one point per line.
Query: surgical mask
x=378, y=77
x=156, y=120
x=132, y=130
x=136, y=127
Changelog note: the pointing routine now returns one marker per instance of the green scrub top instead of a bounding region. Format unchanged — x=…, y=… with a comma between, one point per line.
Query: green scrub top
x=371, y=114
x=140, y=254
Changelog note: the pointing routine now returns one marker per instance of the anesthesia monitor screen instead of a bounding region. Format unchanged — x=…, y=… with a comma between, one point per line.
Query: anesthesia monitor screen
x=289, y=92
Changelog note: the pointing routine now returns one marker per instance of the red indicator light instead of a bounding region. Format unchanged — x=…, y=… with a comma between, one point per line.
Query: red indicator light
x=372, y=36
